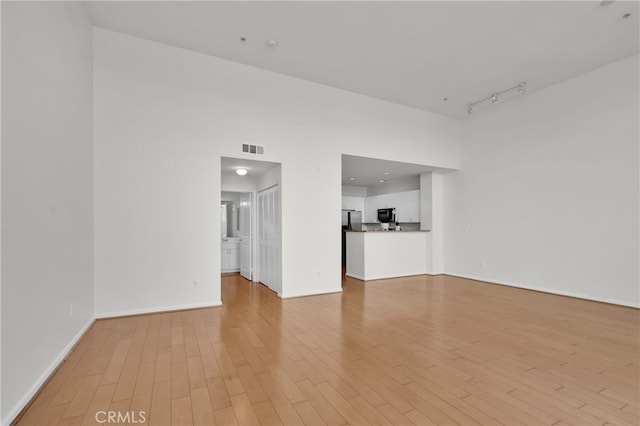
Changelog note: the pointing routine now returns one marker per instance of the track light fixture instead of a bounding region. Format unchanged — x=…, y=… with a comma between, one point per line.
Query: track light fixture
x=521, y=88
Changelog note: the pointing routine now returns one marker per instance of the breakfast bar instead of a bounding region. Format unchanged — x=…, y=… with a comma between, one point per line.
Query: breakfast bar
x=373, y=255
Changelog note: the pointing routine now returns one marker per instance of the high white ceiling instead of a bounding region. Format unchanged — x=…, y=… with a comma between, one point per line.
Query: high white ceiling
x=413, y=53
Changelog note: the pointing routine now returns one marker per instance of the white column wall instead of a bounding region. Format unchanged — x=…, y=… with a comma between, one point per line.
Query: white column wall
x=47, y=194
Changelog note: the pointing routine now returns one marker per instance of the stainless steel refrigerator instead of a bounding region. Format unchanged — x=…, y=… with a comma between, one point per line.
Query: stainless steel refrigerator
x=351, y=220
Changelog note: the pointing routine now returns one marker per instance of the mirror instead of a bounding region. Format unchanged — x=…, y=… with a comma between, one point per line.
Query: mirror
x=229, y=211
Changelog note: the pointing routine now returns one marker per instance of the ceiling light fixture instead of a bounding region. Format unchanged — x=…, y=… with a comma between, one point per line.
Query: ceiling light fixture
x=381, y=180
x=241, y=172
x=606, y=2
x=386, y=173
x=351, y=178
x=272, y=43
x=520, y=88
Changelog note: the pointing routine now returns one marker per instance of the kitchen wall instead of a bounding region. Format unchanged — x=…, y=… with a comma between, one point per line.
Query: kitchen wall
x=156, y=224
x=547, y=193
x=47, y=255
x=354, y=191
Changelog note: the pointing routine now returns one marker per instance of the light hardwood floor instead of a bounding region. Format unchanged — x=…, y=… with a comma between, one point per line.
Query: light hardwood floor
x=419, y=350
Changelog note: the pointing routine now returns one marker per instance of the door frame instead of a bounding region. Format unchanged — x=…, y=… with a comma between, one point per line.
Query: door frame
x=251, y=233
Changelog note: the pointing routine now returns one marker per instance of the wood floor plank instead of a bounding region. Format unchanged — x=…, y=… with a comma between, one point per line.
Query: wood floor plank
x=279, y=400
x=307, y=413
x=179, y=380
x=218, y=393
x=250, y=384
x=225, y=416
x=201, y=407
x=243, y=410
x=197, y=379
x=343, y=406
x=320, y=403
x=181, y=413
x=266, y=413
x=100, y=402
x=127, y=380
x=114, y=368
x=161, y=404
x=368, y=412
x=84, y=396
x=143, y=390
x=416, y=350
x=418, y=418
x=394, y=416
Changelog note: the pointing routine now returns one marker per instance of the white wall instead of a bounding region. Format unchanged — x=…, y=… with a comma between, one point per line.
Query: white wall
x=547, y=193
x=46, y=191
x=165, y=116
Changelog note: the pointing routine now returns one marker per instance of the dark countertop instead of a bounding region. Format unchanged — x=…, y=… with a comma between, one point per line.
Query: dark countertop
x=388, y=232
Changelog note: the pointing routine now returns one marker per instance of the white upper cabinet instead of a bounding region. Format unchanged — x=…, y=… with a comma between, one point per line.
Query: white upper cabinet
x=371, y=206
x=390, y=201
x=409, y=210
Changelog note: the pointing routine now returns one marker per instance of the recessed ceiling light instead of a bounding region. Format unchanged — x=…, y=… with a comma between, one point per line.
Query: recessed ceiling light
x=381, y=181
x=241, y=172
x=272, y=43
x=351, y=178
x=606, y=2
x=243, y=39
x=386, y=173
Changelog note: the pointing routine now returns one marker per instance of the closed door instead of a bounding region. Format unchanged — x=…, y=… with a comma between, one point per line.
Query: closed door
x=245, y=234
x=269, y=238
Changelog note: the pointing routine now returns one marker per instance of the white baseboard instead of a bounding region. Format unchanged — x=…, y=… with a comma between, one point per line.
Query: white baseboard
x=548, y=290
x=42, y=379
x=308, y=293
x=357, y=277
x=158, y=309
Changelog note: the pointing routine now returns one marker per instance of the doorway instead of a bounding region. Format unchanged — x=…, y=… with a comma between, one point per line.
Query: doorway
x=251, y=208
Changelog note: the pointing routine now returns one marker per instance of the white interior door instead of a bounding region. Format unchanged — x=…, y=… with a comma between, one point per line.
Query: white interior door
x=269, y=238
x=245, y=234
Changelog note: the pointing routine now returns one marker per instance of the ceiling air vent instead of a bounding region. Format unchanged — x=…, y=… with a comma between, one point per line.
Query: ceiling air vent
x=252, y=149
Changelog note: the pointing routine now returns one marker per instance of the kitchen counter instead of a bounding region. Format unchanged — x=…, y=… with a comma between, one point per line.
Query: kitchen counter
x=372, y=256
x=387, y=232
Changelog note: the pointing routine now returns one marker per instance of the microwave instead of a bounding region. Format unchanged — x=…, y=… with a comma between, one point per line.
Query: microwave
x=387, y=215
